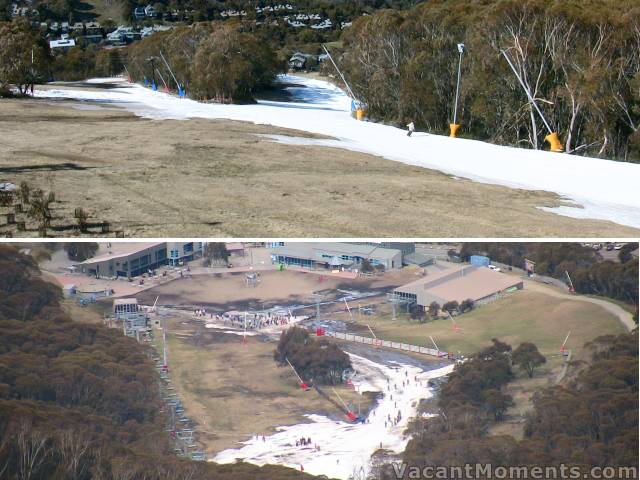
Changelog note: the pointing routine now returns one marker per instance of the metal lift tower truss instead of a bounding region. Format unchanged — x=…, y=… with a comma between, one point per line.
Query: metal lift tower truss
x=395, y=301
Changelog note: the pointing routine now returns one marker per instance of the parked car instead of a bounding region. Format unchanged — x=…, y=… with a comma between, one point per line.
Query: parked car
x=494, y=268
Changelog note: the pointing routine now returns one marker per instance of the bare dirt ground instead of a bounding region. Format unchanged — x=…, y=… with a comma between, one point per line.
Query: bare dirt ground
x=228, y=291
x=218, y=178
x=234, y=390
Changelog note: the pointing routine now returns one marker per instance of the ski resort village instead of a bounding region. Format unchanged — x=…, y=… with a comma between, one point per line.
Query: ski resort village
x=320, y=120
x=326, y=357
x=351, y=240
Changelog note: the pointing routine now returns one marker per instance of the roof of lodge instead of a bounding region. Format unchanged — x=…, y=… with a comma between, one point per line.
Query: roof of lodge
x=121, y=250
x=459, y=283
x=125, y=301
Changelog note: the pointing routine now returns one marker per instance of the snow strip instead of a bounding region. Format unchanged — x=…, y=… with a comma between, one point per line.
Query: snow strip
x=345, y=448
x=606, y=189
x=242, y=333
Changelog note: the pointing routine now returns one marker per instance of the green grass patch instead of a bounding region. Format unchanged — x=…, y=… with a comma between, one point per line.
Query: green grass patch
x=522, y=316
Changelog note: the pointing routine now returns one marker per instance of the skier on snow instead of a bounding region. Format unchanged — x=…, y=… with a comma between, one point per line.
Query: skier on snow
x=411, y=127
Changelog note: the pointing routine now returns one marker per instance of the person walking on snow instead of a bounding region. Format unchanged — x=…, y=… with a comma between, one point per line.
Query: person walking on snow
x=411, y=127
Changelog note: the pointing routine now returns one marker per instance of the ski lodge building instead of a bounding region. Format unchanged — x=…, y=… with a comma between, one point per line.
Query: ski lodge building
x=133, y=259
x=458, y=282
x=335, y=255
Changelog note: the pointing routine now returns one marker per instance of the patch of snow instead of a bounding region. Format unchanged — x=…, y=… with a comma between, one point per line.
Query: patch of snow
x=105, y=80
x=248, y=333
x=605, y=189
x=345, y=448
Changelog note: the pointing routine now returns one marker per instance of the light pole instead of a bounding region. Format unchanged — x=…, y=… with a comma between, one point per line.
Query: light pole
x=455, y=126
x=154, y=85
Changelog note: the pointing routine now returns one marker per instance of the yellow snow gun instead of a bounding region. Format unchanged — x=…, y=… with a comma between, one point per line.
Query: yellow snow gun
x=554, y=142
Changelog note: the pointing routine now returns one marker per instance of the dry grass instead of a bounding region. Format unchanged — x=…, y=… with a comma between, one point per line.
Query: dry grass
x=234, y=391
x=108, y=9
x=92, y=313
x=217, y=178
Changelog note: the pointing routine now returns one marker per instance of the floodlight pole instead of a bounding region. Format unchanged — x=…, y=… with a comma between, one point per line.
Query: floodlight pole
x=153, y=69
x=455, y=126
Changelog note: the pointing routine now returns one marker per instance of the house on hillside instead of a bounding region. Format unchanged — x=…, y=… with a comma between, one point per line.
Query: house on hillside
x=138, y=13
x=17, y=11
x=323, y=25
x=150, y=11
x=302, y=61
x=123, y=35
x=63, y=43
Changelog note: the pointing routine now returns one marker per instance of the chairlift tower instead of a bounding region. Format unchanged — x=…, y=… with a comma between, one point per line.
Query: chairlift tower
x=318, y=297
x=134, y=321
x=395, y=300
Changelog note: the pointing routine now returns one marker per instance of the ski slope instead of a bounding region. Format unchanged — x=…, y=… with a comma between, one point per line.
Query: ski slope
x=600, y=189
x=345, y=448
